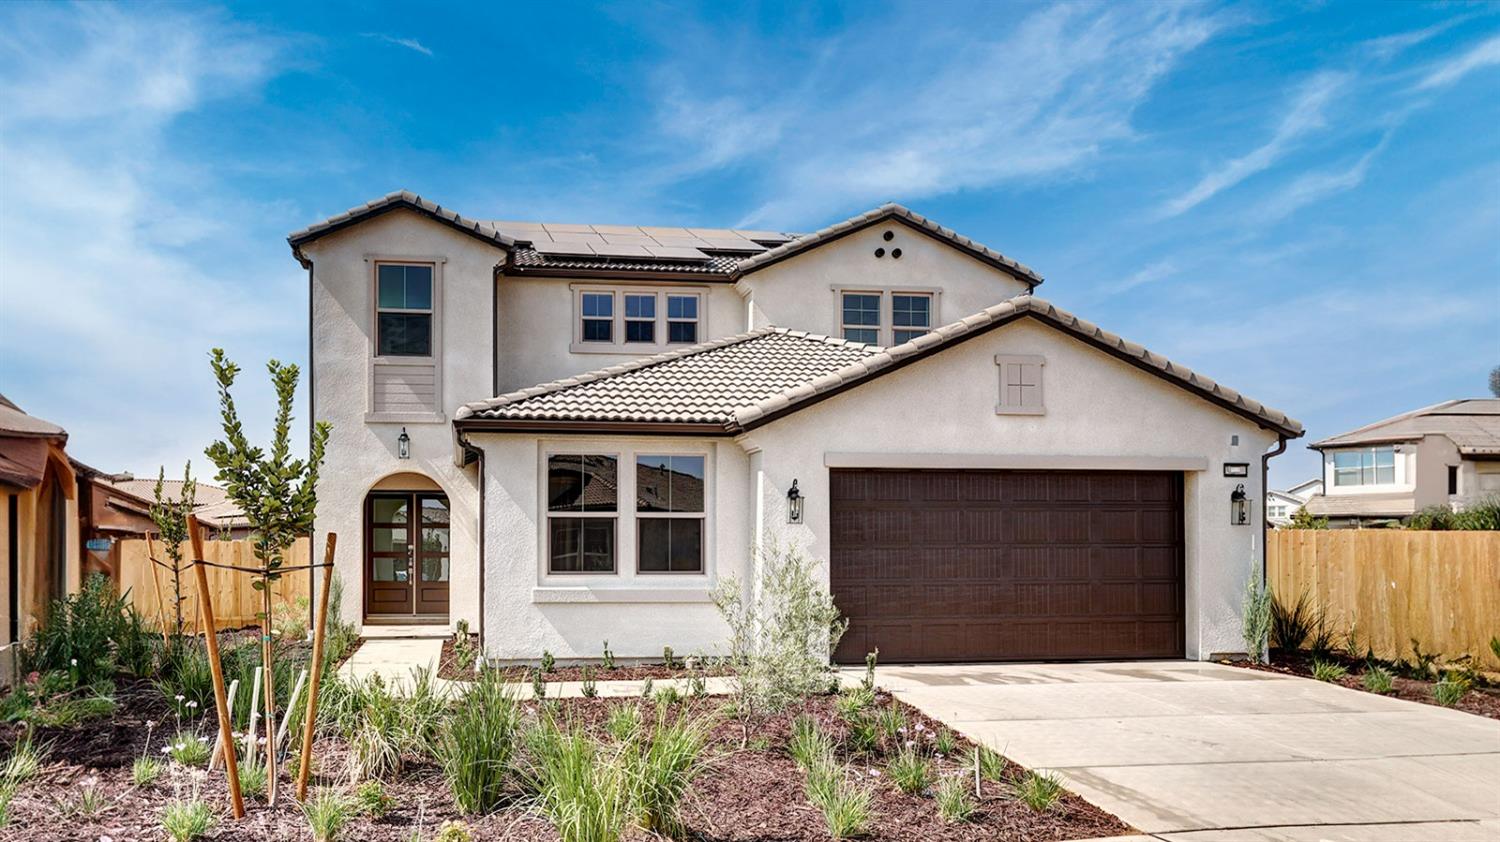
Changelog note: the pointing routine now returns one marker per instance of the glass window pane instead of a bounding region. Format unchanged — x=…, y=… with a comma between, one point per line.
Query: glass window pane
x=640, y=331
x=598, y=330
x=671, y=545
x=564, y=535
x=392, y=286
x=598, y=545
x=582, y=545
x=419, y=287
x=390, y=570
x=669, y=483
x=655, y=544
x=580, y=483
x=865, y=335
x=601, y=304
x=435, y=568
x=1385, y=457
x=435, y=539
x=389, y=510
x=861, y=309
x=911, y=311
x=640, y=306
x=682, y=332
x=434, y=510
x=1346, y=460
x=387, y=539
x=1385, y=474
x=682, y=306
x=907, y=335
x=405, y=335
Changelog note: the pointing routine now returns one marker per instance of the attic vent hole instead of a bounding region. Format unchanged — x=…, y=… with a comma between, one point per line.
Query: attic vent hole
x=880, y=252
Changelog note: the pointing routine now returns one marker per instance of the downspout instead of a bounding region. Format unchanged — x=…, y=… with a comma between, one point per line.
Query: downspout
x=477, y=453
x=1265, y=524
x=312, y=579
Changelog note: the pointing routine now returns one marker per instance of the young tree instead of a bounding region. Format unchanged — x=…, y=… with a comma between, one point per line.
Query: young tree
x=170, y=517
x=1495, y=381
x=277, y=493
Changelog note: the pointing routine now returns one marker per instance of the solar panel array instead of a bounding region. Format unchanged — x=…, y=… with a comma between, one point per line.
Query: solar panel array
x=630, y=242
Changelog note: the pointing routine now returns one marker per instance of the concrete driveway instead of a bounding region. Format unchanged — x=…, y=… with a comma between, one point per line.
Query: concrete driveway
x=1204, y=752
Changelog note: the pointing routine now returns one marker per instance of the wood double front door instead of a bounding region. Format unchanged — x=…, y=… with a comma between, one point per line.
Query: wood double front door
x=406, y=555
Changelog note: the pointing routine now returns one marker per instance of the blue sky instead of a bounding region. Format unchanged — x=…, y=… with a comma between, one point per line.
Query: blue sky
x=1300, y=200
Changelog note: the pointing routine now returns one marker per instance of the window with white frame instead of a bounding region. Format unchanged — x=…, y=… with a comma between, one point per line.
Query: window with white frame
x=1278, y=510
x=631, y=319
x=911, y=316
x=669, y=496
x=403, y=310
x=861, y=317
x=1020, y=384
x=582, y=512
x=1367, y=466
x=598, y=313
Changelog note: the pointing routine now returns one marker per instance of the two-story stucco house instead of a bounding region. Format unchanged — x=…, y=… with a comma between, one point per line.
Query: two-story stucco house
x=566, y=434
x=1442, y=455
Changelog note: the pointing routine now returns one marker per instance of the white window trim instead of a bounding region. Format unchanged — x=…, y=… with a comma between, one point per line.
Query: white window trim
x=1404, y=455
x=1001, y=361
x=372, y=272
x=626, y=581
x=886, y=330
x=618, y=345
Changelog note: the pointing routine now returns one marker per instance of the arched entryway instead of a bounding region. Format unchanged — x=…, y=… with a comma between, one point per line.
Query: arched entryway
x=406, y=551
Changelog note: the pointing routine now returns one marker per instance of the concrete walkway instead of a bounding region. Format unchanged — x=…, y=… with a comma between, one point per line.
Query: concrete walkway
x=1195, y=752
x=394, y=659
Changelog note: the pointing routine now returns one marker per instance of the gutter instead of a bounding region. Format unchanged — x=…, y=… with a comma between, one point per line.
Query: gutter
x=1265, y=493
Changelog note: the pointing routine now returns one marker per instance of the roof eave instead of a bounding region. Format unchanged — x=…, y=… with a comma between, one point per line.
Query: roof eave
x=400, y=200
x=475, y=424
x=620, y=274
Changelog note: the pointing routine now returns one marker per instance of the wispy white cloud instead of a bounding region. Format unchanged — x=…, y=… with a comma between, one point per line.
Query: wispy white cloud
x=1315, y=186
x=1304, y=115
x=1484, y=54
x=1148, y=274
x=1387, y=47
x=408, y=43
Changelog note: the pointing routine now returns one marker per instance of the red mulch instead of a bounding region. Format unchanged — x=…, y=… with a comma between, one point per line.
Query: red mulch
x=1480, y=700
x=746, y=794
x=448, y=668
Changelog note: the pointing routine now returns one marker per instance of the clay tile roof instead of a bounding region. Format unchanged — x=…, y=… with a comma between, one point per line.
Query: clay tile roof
x=1473, y=425
x=15, y=422
x=740, y=382
x=874, y=217
x=392, y=201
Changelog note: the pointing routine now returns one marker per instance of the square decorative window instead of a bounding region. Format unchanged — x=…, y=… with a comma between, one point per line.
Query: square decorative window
x=582, y=507
x=1370, y=466
x=682, y=319
x=403, y=310
x=1020, y=384
x=640, y=318
x=669, y=492
x=861, y=317
x=911, y=316
x=598, y=311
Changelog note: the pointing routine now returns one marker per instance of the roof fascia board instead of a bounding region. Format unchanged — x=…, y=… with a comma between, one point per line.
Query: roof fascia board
x=661, y=428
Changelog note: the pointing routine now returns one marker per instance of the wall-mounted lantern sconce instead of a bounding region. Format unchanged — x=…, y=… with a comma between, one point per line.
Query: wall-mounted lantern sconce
x=1239, y=506
x=793, y=504
x=403, y=445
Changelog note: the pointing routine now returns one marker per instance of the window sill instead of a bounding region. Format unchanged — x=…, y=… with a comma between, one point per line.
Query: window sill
x=587, y=595
x=633, y=349
x=1017, y=410
x=404, y=418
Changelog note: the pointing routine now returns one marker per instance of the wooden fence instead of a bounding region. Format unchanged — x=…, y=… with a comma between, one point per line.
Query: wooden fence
x=1442, y=588
x=235, y=602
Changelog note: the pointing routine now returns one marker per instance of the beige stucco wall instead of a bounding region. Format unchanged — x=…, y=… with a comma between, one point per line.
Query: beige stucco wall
x=362, y=451
x=799, y=292
x=1097, y=408
x=528, y=611
x=537, y=326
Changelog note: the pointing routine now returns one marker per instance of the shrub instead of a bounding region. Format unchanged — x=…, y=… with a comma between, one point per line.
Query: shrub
x=146, y=770
x=453, y=830
x=478, y=744
x=846, y=806
x=548, y=662
x=65, y=713
x=1291, y=625
x=1328, y=670
x=589, y=689
x=1450, y=690
x=586, y=797
x=808, y=742
x=991, y=764
x=608, y=658
x=955, y=803
x=661, y=770
x=1038, y=790
x=891, y=721
x=1303, y=519
x=252, y=779
x=538, y=685
x=327, y=811
x=697, y=686
x=853, y=701
x=1481, y=515
x=1377, y=679
x=781, y=637
x=1255, y=619
x=90, y=636
x=370, y=799
x=1431, y=518
x=623, y=721
x=464, y=651
x=864, y=734
x=185, y=820
x=189, y=749
x=911, y=772
x=25, y=760
x=668, y=695
x=378, y=734
x=868, y=682
x=944, y=743
x=668, y=658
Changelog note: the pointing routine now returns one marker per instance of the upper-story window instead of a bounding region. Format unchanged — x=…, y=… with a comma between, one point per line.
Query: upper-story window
x=911, y=316
x=1369, y=466
x=632, y=319
x=861, y=317
x=404, y=310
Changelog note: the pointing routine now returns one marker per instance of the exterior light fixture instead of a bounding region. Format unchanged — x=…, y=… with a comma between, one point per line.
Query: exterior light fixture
x=1239, y=506
x=403, y=445
x=794, y=504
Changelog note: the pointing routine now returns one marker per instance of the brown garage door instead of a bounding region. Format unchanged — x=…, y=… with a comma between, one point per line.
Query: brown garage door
x=1007, y=565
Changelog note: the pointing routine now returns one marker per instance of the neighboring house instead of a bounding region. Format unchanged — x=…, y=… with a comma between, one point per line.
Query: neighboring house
x=39, y=537
x=221, y=516
x=568, y=434
x=1442, y=455
x=1281, y=505
x=108, y=514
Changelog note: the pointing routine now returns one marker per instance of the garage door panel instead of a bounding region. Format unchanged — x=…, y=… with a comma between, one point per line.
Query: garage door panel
x=1007, y=565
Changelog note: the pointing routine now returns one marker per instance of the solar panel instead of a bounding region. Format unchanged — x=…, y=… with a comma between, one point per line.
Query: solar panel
x=732, y=244
x=676, y=253
x=622, y=250
x=566, y=249
x=767, y=236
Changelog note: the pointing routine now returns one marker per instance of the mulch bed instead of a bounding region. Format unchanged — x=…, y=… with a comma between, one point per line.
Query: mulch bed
x=746, y=794
x=448, y=668
x=1480, y=701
